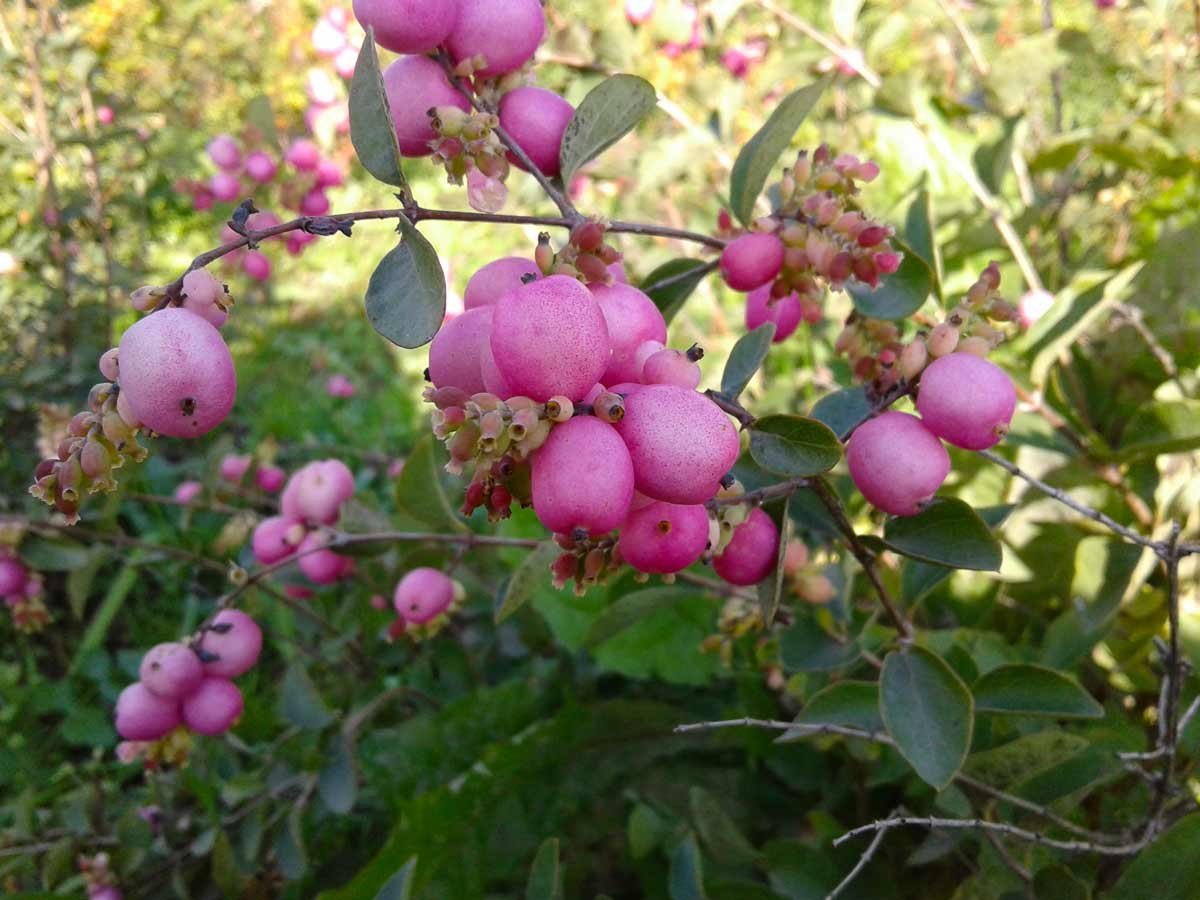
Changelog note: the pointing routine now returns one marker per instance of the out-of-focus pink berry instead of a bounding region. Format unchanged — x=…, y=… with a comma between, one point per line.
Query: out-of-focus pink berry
x=234, y=466
x=966, y=400
x=12, y=576
x=203, y=200
x=423, y=594
x=320, y=565
x=224, y=187
x=338, y=385
x=105, y=115
x=274, y=539
x=752, y=260
x=171, y=670
x=330, y=174
x=785, y=312
x=187, y=491
x=315, y=203
x=1032, y=306
x=235, y=647
x=260, y=167
x=213, y=707
x=303, y=155
x=345, y=62
x=223, y=150
x=750, y=555
x=316, y=492
x=897, y=463
x=270, y=479
x=639, y=12
x=143, y=715
x=257, y=265
x=327, y=38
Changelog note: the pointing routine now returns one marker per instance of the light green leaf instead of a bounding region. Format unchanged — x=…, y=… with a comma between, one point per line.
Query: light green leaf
x=719, y=832
x=372, y=131
x=419, y=488
x=523, y=586
x=631, y=608
x=299, y=702
x=58, y=554
x=1034, y=691
x=851, y=703
x=794, y=446
x=1165, y=426
x=406, y=296
x=545, y=875
x=686, y=878
x=610, y=110
x=337, y=783
x=400, y=885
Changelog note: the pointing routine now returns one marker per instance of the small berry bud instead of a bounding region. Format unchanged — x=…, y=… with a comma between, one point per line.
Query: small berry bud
x=943, y=340
x=609, y=407
x=559, y=409
x=913, y=359
x=976, y=346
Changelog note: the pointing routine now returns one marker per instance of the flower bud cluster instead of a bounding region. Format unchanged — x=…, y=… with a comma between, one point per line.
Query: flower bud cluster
x=586, y=257
x=588, y=560
x=467, y=146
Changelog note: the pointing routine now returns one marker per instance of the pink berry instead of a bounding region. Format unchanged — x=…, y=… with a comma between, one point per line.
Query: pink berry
x=213, y=707
x=187, y=491
x=223, y=151
x=493, y=379
x=203, y=200
x=327, y=38
x=639, y=11
x=456, y=350
x=1032, y=306
x=414, y=85
x=235, y=647
x=632, y=319
x=13, y=576
x=549, y=337
x=303, y=155
x=260, y=167
x=496, y=279
x=316, y=492
x=536, y=118
x=671, y=367
x=143, y=715
x=319, y=566
x=330, y=174
x=344, y=63
x=270, y=478
x=897, y=463
x=233, y=466
x=506, y=33
x=680, y=442
x=256, y=265
x=314, y=203
x=750, y=555
x=106, y=892
x=582, y=477
x=339, y=385
x=275, y=539
x=786, y=312
x=407, y=26
x=105, y=115
x=423, y=594
x=225, y=187
x=661, y=538
x=109, y=366
x=644, y=351
x=204, y=296
x=176, y=373
x=171, y=670
x=751, y=261
x=966, y=400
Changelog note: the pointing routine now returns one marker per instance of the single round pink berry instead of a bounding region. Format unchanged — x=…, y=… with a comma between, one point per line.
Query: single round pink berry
x=896, y=462
x=316, y=492
x=319, y=565
x=330, y=174
x=303, y=155
x=1032, y=306
x=506, y=33
x=644, y=351
x=750, y=555
x=235, y=640
x=681, y=443
x=414, y=85
x=671, y=367
x=314, y=203
x=327, y=38
x=176, y=373
x=407, y=26
x=423, y=594
x=171, y=670
x=582, y=477
x=338, y=385
x=187, y=491
x=966, y=400
x=786, y=312
x=456, y=351
x=549, y=337
x=213, y=707
x=224, y=187
x=234, y=466
x=224, y=152
x=493, y=379
x=205, y=296
x=536, y=118
x=639, y=11
x=751, y=261
x=632, y=319
x=105, y=115
x=106, y=892
x=661, y=538
x=496, y=279
x=273, y=539
x=270, y=479
x=12, y=576
x=260, y=167
x=143, y=715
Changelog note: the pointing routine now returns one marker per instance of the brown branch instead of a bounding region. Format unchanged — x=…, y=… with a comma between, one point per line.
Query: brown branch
x=732, y=407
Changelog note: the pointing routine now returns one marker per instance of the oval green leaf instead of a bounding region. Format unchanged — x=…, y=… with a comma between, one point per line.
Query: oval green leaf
x=372, y=131
x=400, y=885
x=757, y=159
x=947, y=533
x=545, y=875
x=632, y=608
x=609, y=112
x=1034, y=691
x=928, y=711
x=419, y=488
x=299, y=702
x=673, y=282
x=686, y=878
x=794, y=446
x=851, y=703
x=525, y=582
x=1169, y=869
x=745, y=359
x=898, y=295
x=406, y=296
x=842, y=410
x=337, y=783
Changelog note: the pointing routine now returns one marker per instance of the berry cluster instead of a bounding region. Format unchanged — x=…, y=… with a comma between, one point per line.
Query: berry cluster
x=187, y=687
x=424, y=599
x=267, y=477
x=22, y=593
x=99, y=878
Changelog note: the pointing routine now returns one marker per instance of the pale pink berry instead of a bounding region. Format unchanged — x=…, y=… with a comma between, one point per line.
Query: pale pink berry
x=260, y=167
x=330, y=174
x=314, y=203
x=316, y=492
x=235, y=640
x=257, y=265
x=223, y=151
x=204, y=296
x=303, y=155
x=536, y=118
x=274, y=539
x=143, y=715
x=680, y=442
x=176, y=373
x=897, y=463
x=750, y=555
x=549, y=337
x=234, y=466
x=456, y=351
x=203, y=200
x=506, y=33
x=1032, y=306
x=187, y=491
x=644, y=351
x=639, y=11
x=785, y=312
x=224, y=187
x=671, y=367
x=338, y=385
x=632, y=319
x=582, y=477
x=109, y=367
x=414, y=85
x=270, y=478
x=320, y=566
x=662, y=538
x=966, y=400
x=617, y=271
x=423, y=594
x=485, y=193
x=213, y=707
x=171, y=670
x=105, y=115
x=345, y=62
x=497, y=278
x=407, y=26
x=327, y=38
x=107, y=891
x=751, y=261
x=12, y=576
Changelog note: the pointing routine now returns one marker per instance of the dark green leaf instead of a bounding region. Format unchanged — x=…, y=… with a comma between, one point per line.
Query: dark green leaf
x=686, y=879
x=114, y=599
x=918, y=578
x=631, y=608
x=419, y=489
x=645, y=830
x=948, y=533
x=1058, y=883
x=1169, y=869
x=758, y=158
x=609, y=111
x=1019, y=759
x=1034, y=691
x=289, y=847
x=719, y=832
x=545, y=875
x=372, y=131
x=842, y=410
x=337, y=783
x=299, y=702
x=807, y=647
x=673, y=282
x=794, y=446
x=88, y=726
x=745, y=359
x=54, y=554
x=1165, y=426
x=523, y=586
x=400, y=885
x=225, y=873
x=406, y=296
x=919, y=232
x=898, y=295
x=928, y=711
x=852, y=703
x=770, y=589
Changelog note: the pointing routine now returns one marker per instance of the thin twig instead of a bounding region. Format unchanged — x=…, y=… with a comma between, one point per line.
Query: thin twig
x=732, y=407
x=863, y=862
x=848, y=55
x=966, y=35
x=1021, y=834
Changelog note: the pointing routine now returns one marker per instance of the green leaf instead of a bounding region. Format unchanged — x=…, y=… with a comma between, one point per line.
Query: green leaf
x=686, y=878
x=114, y=599
x=289, y=847
x=645, y=830
x=745, y=359
x=406, y=296
x=794, y=446
x=719, y=832
x=758, y=158
x=88, y=726
x=1034, y=691
x=337, y=782
x=1056, y=882
x=928, y=712
x=419, y=488
x=919, y=232
x=948, y=533
x=609, y=111
x=545, y=876
x=631, y=608
x=673, y=282
x=1169, y=869
x=842, y=410
x=225, y=873
x=918, y=579
x=1018, y=759
x=852, y=703
x=532, y=574
x=400, y=885
x=770, y=589
x=53, y=554
x=1166, y=426
x=898, y=295
x=807, y=647
x=299, y=702
x=372, y=131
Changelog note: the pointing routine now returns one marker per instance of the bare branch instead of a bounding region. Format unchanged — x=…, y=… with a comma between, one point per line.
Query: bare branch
x=1021, y=834
x=863, y=862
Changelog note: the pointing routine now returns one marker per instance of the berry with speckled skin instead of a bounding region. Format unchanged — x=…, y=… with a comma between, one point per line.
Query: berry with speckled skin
x=505, y=32
x=896, y=462
x=662, y=538
x=536, y=118
x=582, y=477
x=632, y=319
x=407, y=26
x=454, y=354
x=497, y=278
x=966, y=400
x=750, y=555
x=671, y=367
